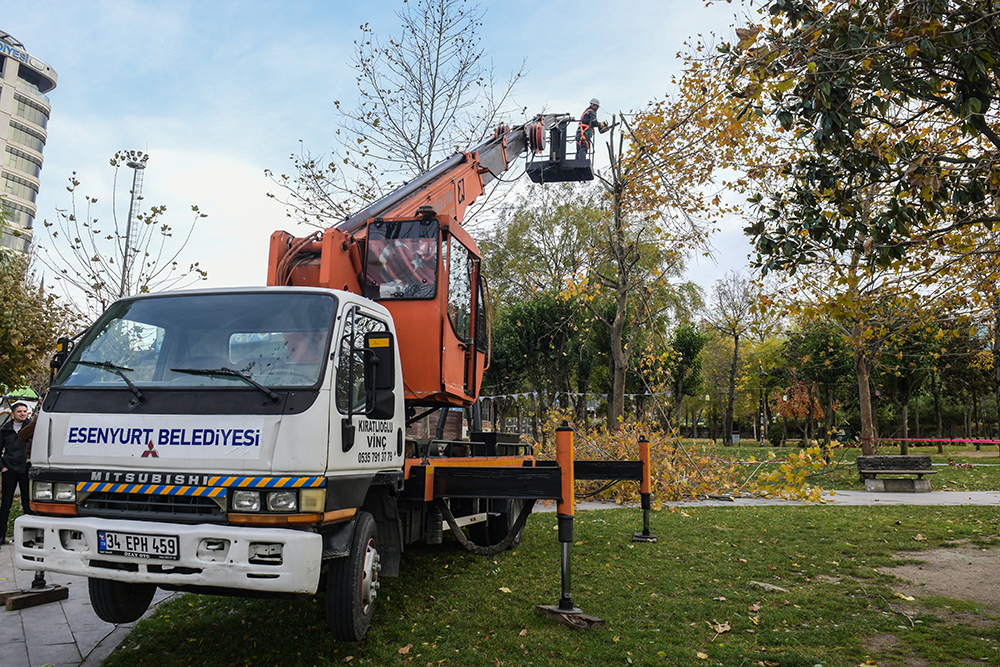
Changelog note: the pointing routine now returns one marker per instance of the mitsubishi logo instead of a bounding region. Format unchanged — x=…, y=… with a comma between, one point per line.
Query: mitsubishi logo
x=150, y=451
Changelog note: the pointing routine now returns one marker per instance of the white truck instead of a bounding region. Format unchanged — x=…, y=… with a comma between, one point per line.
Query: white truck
x=194, y=440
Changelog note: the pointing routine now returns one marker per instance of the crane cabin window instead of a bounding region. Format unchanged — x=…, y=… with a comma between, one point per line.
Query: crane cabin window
x=402, y=259
x=462, y=269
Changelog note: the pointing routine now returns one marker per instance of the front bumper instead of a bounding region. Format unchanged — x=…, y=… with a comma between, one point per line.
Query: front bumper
x=210, y=555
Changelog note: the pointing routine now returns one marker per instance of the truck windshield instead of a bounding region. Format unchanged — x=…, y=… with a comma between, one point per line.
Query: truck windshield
x=276, y=339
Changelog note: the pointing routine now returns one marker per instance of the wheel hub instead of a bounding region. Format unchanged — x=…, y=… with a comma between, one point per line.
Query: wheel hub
x=369, y=577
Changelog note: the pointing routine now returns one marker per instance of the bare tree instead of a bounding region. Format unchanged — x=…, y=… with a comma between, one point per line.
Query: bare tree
x=730, y=314
x=96, y=266
x=641, y=247
x=422, y=95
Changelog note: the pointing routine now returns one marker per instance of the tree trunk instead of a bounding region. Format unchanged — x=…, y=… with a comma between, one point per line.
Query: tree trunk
x=904, y=446
x=996, y=346
x=830, y=416
x=967, y=426
x=936, y=391
x=810, y=418
x=618, y=411
x=609, y=414
x=756, y=426
x=731, y=399
x=534, y=415
x=620, y=352
x=865, y=397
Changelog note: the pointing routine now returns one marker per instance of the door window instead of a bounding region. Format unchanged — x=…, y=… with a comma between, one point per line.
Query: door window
x=351, y=362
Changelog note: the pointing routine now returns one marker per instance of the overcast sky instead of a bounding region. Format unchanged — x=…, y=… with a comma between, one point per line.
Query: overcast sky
x=218, y=91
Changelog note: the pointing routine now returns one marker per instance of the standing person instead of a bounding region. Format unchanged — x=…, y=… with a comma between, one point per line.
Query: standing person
x=13, y=465
x=585, y=133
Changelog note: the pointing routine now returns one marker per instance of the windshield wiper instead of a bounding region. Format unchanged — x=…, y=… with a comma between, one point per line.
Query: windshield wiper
x=119, y=371
x=230, y=373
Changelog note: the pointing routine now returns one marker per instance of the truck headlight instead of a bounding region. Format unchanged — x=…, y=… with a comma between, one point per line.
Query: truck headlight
x=312, y=500
x=283, y=501
x=41, y=490
x=65, y=492
x=246, y=501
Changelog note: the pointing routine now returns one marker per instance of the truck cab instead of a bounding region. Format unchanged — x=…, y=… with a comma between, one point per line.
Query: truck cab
x=181, y=420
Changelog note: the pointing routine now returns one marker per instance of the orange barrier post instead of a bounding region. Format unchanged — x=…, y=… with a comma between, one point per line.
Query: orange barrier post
x=645, y=493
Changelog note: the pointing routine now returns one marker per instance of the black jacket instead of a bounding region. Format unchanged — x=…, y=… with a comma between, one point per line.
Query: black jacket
x=13, y=452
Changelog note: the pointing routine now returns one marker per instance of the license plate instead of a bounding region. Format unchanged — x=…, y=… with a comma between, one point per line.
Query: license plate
x=136, y=545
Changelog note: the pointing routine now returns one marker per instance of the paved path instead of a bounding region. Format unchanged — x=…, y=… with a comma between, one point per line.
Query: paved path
x=68, y=633
x=59, y=633
x=873, y=498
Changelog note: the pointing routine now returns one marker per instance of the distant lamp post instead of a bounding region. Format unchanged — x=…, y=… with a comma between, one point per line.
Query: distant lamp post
x=136, y=161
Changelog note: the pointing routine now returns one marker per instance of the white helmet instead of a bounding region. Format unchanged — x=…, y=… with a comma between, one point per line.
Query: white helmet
x=594, y=102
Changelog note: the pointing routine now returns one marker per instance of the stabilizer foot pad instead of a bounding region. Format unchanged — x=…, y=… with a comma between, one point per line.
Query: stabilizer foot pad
x=31, y=598
x=575, y=619
x=639, y=537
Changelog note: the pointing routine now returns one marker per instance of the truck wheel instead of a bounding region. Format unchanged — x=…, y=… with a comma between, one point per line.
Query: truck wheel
x=352, y=584
x=479, y=533
x=505, y=515
x=119, y=601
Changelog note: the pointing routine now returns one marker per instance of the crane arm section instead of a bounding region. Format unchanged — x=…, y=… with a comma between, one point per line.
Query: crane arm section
x=486, y=161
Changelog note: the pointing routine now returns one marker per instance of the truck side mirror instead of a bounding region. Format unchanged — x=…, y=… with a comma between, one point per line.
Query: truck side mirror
x=380, y=375
x=63, y=348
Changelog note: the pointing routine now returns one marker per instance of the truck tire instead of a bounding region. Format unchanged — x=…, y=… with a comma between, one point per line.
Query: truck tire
x=119, y=601
x=352, y=584
x=505, y=513
x=479, y=533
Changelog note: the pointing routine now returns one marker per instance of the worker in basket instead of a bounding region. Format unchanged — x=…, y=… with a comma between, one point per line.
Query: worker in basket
x=585, y=133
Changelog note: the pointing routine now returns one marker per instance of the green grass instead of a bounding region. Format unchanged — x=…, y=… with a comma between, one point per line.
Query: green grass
x=15, y=511
x=659, y=600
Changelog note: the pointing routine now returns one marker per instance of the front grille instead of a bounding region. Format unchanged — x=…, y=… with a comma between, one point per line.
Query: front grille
x=182, y=509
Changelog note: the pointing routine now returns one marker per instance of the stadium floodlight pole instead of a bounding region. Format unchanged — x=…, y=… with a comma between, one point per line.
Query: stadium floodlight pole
x=136, y=161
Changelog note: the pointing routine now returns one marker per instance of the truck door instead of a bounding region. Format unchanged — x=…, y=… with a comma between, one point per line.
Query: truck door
x=364, y=442
x=465, y=310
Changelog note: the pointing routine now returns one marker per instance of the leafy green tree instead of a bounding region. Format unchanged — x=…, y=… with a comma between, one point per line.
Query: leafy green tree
x=541, y=241
x=765, y=369
x=716, y=358
x=537, y=346
x=905, y=364
x=895, y=96
x=964, y=366
x=30, y=321
x=686, y=377
x=819, y=353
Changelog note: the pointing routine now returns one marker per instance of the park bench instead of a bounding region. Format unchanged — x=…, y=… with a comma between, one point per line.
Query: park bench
x=871, y=467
